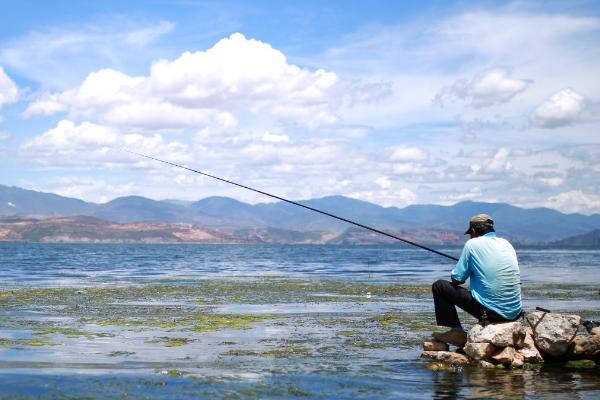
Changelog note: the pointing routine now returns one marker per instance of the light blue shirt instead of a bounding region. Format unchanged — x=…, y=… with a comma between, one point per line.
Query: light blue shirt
x=491, y=263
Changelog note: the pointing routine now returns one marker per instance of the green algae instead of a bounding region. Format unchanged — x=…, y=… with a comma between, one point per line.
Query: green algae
x=287, y=351
x=580, y=364
x=176, y=342
x=33, y=343
x=174, y=373
x=347, y=333
x=294, y=391
x=69, y=332
x=217, y=322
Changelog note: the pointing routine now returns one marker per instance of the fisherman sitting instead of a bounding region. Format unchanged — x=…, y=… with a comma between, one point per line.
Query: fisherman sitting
x=495, y=295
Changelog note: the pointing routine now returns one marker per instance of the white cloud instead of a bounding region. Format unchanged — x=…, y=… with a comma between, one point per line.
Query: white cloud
x=9, y=93
x=403, y=154
x=95, y=190
x=575, y=201
x=60, y=58
x=383, y=182
x=562, y=108
x=489, y=87
x=397, y=198
x=89, y=145
x=236, y=76
x=275, y=137
x=553, y=182
x=144, y=36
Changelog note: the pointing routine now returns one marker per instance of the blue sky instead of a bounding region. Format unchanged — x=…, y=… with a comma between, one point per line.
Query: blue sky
x=391, y=102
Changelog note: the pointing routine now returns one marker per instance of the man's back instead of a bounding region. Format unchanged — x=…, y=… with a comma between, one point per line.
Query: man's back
x=491, y=264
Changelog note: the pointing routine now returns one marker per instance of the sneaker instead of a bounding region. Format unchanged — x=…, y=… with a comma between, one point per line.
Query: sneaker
x=454, y=337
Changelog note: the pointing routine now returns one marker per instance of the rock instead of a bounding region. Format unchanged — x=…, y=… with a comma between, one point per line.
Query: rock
x=479, y=351
x=452, y=358
x=486, y=364
x=595, y=331
x=505, y=356
x=429, y=354
x=448, y=357
x=553, y=332
x=518, y=361
x=586, y=346
x=530, y=353
x=435, y=345
x=500, y=335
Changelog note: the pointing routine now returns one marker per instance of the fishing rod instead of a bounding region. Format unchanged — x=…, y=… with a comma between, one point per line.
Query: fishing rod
x=299, y=205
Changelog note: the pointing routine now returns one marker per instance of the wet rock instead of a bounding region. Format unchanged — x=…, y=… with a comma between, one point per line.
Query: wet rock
x=528, y=349
x=479, y=351
x=435, y=345
x=586, y=346
x=486, y=364
x=518, y=361
x=500, y=335
x=429, y=354
x=452, y=358
x=553, y=332
x=505, y=356
x=448, y=357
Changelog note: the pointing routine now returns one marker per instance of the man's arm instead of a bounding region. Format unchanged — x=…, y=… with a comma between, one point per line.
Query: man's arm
x=462, y=271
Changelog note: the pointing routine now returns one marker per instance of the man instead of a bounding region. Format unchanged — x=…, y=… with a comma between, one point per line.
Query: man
x=495, y=296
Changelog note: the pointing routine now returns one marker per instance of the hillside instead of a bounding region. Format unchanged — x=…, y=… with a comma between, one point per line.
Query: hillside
x=590, y=240
x=526, y=226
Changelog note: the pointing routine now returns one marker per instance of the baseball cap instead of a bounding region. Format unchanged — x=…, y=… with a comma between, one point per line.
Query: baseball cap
x=480, y=219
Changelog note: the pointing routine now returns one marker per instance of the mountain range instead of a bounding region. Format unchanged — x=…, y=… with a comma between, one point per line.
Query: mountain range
x=526, y=226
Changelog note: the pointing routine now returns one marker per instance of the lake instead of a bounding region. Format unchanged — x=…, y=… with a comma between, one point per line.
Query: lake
x=252, y=321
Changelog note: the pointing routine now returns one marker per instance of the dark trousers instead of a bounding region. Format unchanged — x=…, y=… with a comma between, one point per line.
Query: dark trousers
x=447, y=296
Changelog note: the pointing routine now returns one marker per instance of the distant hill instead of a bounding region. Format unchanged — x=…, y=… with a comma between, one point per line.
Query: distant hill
x=525, y=226
x=590, y=240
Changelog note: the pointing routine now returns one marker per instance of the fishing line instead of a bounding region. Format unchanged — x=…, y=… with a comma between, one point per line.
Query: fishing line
x=299, y=205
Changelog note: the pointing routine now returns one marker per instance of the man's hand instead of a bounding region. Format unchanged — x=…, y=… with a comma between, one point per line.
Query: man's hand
x=454, y=282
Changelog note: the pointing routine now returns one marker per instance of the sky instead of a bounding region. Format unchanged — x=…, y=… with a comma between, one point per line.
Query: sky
x=391, y=102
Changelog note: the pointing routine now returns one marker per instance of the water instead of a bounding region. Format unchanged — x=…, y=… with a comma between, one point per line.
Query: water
x=246, y=321
x=81, y=264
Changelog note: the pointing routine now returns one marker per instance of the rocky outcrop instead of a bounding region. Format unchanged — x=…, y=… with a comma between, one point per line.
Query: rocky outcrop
x=539, y=337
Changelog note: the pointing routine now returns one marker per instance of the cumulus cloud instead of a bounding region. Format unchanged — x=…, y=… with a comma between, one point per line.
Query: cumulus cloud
x=275, y=137
x=404, y=154
x=236, y=76
x=88, y=144
x=9, y=93
x=383, y=182
x=489, y=87
x=561, y=109
x=575, y=201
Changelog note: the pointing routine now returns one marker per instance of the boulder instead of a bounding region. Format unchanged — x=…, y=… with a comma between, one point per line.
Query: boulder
x=479, y=351
x=595, y=331
x=505, y=356
x=530, y=353
x=453, y=358
x=500, y=335
x=448, y=357
x=486, y=364
x=586, y=346
x=553, y=332
x=435, y=345
x=518, y=361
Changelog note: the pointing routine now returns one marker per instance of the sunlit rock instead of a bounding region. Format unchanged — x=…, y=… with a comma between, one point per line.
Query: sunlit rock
x=553, y=332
